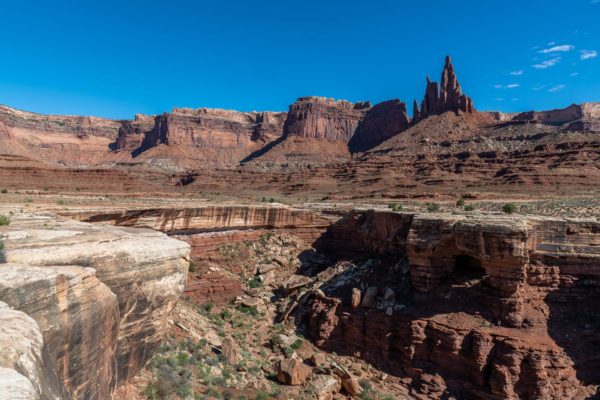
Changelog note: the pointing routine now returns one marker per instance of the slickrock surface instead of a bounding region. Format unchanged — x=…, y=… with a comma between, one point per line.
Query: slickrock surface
x=489, y=306
x=101, y=295
x=27, y=371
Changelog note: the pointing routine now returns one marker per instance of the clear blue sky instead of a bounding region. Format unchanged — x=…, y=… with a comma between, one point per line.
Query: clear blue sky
x=116, y=58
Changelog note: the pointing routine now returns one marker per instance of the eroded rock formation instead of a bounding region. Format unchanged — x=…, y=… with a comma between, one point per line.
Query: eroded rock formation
x=446, y=97
x=480, y=306
x=211, y=218
x=380, y=123
x=323, y=118
x=100, y=296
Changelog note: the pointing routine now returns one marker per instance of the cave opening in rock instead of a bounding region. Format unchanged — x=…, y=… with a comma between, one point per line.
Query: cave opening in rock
x=467, y=268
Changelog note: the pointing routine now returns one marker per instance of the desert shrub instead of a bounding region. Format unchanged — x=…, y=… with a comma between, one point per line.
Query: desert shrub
x=261, y=395
x=288, y=351
x=395, y=207
x=297, y=344
x=469, y=207
x=433, y=207
x=4, y=190
x=192, y=267
x=248, y=310
x=509, y=208
x=4, y=220
x=460, y=202
x=208, y=306
x=150, y=391
x=276, y=340
x=254, y=283
x=60, y=202
x=183, y=358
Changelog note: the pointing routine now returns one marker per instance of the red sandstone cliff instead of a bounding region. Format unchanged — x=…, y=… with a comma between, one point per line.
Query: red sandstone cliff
x=462, y=306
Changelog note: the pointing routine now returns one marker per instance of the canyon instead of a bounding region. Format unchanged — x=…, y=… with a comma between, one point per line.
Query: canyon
x=334, y=250
x=321, y=146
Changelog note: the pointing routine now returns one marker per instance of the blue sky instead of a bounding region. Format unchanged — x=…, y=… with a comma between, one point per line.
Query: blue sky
x=116, y=58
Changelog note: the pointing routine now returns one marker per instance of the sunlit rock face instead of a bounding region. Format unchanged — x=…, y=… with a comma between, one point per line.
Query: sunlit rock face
x=100, y=295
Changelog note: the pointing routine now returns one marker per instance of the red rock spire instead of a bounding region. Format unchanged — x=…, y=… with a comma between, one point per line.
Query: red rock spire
x=448, y=97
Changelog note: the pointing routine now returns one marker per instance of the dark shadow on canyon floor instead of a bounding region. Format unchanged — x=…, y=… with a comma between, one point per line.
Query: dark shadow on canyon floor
x=574, y=324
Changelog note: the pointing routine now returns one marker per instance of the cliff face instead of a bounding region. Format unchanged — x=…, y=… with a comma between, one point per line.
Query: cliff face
x=482, y=306
x=201, y=128
x=99, y=295
x=56, y=139
x=380, y=123
x=322, y=118
x=306, y=224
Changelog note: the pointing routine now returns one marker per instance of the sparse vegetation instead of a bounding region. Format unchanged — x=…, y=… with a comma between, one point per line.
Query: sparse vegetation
x=395, y=207
x=4, y=220
x=460, y=202
x=254, y=283
x=433, y=207
x=469, y=207
x=4, y=190
x=509, y=208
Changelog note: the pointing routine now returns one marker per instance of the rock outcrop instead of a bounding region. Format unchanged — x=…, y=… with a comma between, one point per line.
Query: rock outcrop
x=211, y=218
x=446, y=97
x=100, y=295
x=201, y=128
x=26, y=369
x=323, y=118
x=483, y=305
x=380, y=123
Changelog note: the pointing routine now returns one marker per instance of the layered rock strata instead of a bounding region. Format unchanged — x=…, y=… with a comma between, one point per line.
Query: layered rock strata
x=323, y=118
x=211, y=218
x=483, y=306
x=101, y=295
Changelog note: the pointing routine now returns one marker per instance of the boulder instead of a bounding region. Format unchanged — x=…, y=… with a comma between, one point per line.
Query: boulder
x=324, y=387
x=230, y=351
x=291, y=371
x=369, y=297
x=356, y=297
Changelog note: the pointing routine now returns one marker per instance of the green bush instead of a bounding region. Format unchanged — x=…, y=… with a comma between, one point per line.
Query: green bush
x=254, y=283
x=433, y=207
x=469, y=207
x=509, y=208
x=192, y=267
x=248, y=310
x=182, y=358
x=4, y=220
x=297, y=344
x=4, y=190
x=150, y=391
x=460, y=202
x=395, y=207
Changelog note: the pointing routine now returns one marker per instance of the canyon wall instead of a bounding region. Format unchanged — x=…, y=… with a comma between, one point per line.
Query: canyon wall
x=211, y=218
x=323, y=118
x=477, y=306
x=99, y=295
x=381, y=122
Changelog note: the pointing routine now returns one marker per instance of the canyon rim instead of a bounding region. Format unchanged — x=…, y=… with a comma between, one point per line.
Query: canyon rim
x=406, y=248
